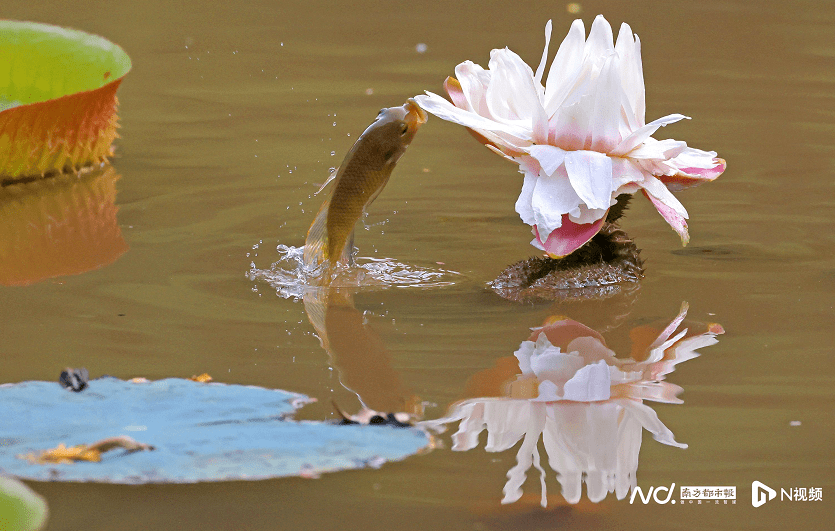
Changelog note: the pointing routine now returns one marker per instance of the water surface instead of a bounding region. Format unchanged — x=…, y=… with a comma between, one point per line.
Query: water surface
x=233, y=115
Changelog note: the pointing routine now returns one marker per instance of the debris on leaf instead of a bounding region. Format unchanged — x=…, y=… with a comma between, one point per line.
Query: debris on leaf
x=74, y=379
x=369, y=416
x=203, y=378
x=84, y=452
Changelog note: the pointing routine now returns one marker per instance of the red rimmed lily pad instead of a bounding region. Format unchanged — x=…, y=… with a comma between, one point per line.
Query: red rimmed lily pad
x=57, y=98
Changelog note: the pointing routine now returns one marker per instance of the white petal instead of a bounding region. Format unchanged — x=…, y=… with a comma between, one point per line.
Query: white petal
x=507, y=421
x=628, y=47
x=514, y=96
x=551, y=364
x=590, y=174
x=474, y=81
x=570, y=124
x=553, y=197
x=549, y=157
x=589, y=384
x=541, y=68
x=637, y=137
x=588, y=215
x=565, y=67
x=657, y=189
x=624, y=172
x=547, y=392
x=600, y=43
x=524, y=457
x=523, y=204
x=511, y=93
x=649, y=420
x=694, y=158
x=445, y=110
x=523, y=355
x=658, y=150
x=605, y=119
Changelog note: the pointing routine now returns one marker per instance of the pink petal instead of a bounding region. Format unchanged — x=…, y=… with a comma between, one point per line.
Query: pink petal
x=689, y=177
x=672, y=217
x=665, y=335
x=456, y=93
x=561, y=332
x=568, y=237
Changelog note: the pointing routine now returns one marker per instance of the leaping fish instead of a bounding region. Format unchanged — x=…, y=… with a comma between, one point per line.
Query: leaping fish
x=359, y=180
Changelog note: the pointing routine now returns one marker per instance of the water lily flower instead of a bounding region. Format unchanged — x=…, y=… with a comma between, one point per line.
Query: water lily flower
x=578, y=135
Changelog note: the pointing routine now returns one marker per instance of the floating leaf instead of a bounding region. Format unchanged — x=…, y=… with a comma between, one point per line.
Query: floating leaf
x=199, y=431
x=21, y=508
x=57, y=98
x=86, y=452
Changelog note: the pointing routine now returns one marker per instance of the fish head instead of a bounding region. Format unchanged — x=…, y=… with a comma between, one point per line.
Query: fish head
x=398, y=125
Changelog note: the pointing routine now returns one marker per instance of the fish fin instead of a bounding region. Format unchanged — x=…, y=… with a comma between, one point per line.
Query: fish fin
x=316, y=243
x=331, y=177
x=348, y=252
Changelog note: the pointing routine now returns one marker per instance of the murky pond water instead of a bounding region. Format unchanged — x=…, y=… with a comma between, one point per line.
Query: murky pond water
x=233, y=115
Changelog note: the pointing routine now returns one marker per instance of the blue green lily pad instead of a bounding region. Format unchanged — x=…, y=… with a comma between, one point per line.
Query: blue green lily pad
x=200, y=432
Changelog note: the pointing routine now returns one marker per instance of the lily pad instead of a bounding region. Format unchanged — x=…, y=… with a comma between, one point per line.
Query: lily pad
x=200, y=432
x=57, y=98
x=21, y=508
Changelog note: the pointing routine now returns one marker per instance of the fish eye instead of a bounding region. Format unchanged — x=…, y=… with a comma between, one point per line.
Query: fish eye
x=404, y=128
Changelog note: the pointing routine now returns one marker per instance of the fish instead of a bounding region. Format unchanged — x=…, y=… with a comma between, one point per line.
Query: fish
x=359, y=180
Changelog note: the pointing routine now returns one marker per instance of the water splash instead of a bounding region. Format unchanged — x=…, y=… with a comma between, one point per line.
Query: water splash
x=291, y=278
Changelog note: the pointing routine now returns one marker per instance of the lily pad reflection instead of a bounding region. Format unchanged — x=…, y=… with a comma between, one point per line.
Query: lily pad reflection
x=201, y=432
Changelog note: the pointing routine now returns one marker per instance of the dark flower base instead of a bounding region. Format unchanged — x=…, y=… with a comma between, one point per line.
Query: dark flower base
x=597, y=270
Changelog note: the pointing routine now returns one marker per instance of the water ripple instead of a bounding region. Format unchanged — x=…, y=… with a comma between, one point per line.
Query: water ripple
x=291, y=278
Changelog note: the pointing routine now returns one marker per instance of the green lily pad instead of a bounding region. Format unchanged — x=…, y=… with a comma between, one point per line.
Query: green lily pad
x=200, y=432
x=21, y=508
x=57, y=98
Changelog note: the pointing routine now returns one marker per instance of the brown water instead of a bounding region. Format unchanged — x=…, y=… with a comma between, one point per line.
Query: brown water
x=230, y=119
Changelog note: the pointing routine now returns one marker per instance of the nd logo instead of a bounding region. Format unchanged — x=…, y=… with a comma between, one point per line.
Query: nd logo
x=652, y=495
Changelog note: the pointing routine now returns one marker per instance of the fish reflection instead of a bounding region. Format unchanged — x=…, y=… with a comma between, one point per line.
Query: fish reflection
x=61, y=225
x=567, y=388
x=357, y=351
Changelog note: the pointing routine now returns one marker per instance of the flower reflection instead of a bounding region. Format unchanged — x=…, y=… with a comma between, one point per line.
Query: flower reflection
x=61, y=225
x=578, y=134
x=569, y=389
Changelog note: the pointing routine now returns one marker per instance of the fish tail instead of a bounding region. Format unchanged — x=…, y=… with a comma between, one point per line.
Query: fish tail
x=316, y=243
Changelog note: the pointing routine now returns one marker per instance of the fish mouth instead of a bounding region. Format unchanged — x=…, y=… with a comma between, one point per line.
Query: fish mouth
x=415, y=116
